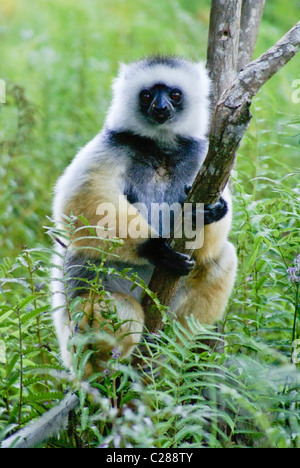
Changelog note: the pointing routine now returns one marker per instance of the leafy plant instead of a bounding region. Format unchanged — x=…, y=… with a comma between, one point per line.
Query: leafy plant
x=26, y=343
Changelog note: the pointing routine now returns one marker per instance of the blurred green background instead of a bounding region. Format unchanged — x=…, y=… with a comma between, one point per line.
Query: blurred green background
x=58, y=58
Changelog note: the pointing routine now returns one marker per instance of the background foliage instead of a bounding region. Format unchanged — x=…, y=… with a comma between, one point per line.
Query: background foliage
x=58, y=58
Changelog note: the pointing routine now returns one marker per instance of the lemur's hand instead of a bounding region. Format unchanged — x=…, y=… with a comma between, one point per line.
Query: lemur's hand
x=212, y=212
x=215, y=212
x=159, y=252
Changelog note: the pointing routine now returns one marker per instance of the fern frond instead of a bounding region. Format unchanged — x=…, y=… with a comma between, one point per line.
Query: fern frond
x=34, y=313
x=43, y=397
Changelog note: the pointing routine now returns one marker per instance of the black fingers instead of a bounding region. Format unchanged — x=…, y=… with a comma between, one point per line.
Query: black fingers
x=159, y=252
x=215, y=212
x=212, y=213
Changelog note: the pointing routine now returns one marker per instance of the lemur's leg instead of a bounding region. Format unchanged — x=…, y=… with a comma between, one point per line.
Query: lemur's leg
x=122, y=332
x=206, y=291
x=102, y=332
x=103, y=329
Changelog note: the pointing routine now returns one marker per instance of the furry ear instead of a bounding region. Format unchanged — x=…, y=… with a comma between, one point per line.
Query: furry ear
x=120, y=78
x=123, y=67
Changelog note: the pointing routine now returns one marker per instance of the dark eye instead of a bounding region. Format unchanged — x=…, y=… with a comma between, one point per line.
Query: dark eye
x=145, y=96
x=176, y=95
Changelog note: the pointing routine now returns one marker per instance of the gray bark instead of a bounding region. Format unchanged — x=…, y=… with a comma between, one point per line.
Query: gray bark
x=48, y=425
x=223, y=44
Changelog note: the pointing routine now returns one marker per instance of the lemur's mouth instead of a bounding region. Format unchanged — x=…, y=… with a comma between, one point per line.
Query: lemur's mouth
x=161, y=117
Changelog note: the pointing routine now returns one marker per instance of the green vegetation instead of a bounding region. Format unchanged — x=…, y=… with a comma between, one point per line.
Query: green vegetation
x=58, y=58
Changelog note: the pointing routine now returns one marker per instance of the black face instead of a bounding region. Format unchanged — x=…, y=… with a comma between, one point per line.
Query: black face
x=160, y=103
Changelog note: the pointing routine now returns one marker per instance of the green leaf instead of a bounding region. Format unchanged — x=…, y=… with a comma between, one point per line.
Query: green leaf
x=34, y=313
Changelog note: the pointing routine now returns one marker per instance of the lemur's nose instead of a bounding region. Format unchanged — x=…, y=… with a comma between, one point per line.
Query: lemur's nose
x=160, y=109
x=160, y=105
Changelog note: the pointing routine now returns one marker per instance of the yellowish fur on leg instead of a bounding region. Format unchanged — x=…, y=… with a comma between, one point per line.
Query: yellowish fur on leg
x=206, y=292
x=105, y=334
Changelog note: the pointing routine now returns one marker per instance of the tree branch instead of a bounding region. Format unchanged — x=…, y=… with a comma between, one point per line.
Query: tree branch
x=258, y=72
x=48, y=425
x=252, y=11
x=229, y=124
x=223, y=44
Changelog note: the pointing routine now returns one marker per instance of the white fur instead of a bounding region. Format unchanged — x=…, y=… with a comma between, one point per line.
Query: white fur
x=74, y=176
x=191, y=78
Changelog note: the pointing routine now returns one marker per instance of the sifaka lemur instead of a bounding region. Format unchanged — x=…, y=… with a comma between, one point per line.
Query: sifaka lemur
x=149, y=151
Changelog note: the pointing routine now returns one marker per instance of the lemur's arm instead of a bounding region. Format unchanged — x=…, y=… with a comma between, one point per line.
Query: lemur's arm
x=108, y=207
x=216, y=227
